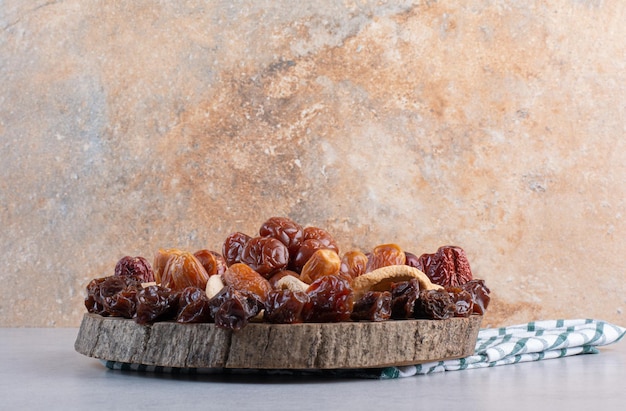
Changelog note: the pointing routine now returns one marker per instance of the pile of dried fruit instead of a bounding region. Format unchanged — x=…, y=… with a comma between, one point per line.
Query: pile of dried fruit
x=289, y=274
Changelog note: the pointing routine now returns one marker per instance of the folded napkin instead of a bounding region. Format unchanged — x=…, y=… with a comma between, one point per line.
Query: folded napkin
x=539, y=340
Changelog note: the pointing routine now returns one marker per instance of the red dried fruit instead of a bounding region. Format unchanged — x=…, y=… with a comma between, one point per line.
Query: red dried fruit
x=449, y=266
x=286, y=306
x=353, y=264
x=136, y=267
x=193, y=306
x=156, y=303
x=265, y=255
x=413, y=261
x=233, y=247
x=285, y=230
x=177, y=269
x=385, y=255
x=373, y=306
x=330, y=300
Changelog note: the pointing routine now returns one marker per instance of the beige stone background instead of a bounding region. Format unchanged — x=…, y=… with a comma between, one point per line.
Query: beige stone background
x=497, y=126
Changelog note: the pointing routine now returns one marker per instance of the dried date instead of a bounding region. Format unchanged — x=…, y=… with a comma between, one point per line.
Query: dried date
x=193, y=306
x=385, y=255
x=353, y=263
x=156, y=303
x=285, y=230
x=286, y=306
x=245, y=280
x=331, y=300
x=480, y=295
x=434, y=305
x=233, y=247
x=265, y=255
x=177, y=269
x=233, y=310
x=372, y=306
x=404, y=294
x=135, y=267
x=449, y=266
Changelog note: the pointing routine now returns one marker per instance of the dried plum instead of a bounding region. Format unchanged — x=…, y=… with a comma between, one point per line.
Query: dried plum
x=156, y=303
x=372, y=306
x=434, y=305
x=286, y=306
x=403, y=297
x=331, y=300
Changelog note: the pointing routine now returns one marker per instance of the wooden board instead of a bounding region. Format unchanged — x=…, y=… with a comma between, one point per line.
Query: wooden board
x=278, y=346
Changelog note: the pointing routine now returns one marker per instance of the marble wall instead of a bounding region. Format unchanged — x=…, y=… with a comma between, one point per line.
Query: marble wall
x=497, y=126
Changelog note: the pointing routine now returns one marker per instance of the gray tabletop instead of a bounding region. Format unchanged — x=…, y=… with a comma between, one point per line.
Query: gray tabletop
x=40, y=370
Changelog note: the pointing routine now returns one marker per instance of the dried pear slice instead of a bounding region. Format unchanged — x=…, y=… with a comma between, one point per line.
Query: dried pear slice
x=382, y=278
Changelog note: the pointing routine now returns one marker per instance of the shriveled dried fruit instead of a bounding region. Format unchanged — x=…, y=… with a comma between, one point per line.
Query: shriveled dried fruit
x=233, y=247
x=434, y=305
x=209, y=261
x=245, y=280
x=265, y=255
x=306, y=250
x=156, y=303
x=353, y=263
x=177, y=269
x=286, y=306
x=322, y=262
x=287, y=231
x=136, y=267
x=331, y=300
x=193, y=306
x=385, y=255
x=403, y=297
x=114, y=296
x=480, y=295
x=413, y=261
x=463, y=304
x=373, y=306
x=447, y=267
x=316, y=233
x=233, y=310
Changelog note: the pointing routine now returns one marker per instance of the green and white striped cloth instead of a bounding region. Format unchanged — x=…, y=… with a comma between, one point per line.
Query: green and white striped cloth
x=534, y=341
x=539, y=340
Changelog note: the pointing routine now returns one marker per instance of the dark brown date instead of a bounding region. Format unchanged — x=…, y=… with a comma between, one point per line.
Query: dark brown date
x=232, y=310
x=135, y=267
x=193, y=306
x=434, y=305
x=463, y=303
x=403, y=297
x=330, y=300
x=286, y=306
x=265, y=255
x=480, y=295
x=114, y=296
x=156, y=303
x=373, y=306
x=316, y=233
x=233, y=247
x=285, y=230
x=447, y=267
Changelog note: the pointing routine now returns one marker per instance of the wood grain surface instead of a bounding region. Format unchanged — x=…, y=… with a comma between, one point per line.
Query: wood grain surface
x=278, y=346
